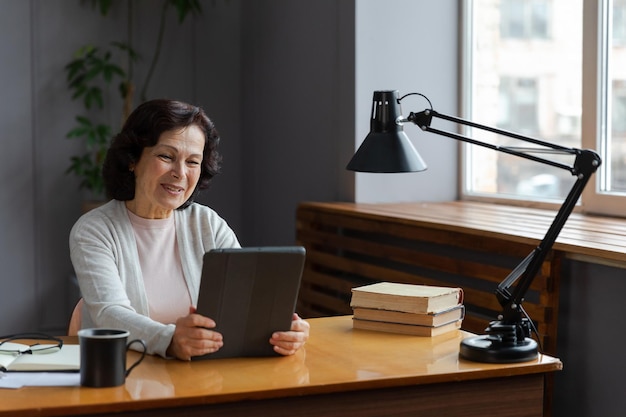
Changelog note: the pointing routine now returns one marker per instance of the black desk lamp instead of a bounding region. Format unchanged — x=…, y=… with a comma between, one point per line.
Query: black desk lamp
x=387, y=149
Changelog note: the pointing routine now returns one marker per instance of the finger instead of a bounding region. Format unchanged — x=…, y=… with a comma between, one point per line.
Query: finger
x=188, y=350
x=290, y=336
x=202, y=346
x=196, y=320
x=287, y=348
x=283, y=352
x=188, y=345
x=287, y=343
x=300, y=326
x=198, y=335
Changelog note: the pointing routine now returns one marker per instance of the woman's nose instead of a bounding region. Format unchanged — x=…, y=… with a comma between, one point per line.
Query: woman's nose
x=177, y=171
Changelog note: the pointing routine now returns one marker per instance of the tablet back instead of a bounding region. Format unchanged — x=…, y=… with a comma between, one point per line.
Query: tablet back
x=250, y=293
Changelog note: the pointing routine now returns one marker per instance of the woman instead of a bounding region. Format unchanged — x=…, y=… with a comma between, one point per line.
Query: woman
x=138, y=258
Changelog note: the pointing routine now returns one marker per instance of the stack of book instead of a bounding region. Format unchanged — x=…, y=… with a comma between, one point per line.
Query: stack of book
x=420, y=310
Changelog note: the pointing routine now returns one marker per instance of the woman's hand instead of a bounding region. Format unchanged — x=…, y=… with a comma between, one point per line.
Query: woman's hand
x=193, y=337
x=288, y=343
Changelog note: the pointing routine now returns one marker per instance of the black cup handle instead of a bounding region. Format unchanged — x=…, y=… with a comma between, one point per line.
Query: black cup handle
x=143, y=354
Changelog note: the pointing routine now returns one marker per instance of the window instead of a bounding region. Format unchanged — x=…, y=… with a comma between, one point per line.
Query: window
x=554, y=70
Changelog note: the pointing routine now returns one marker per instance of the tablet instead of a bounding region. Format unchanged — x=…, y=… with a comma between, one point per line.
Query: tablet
x=250, y=293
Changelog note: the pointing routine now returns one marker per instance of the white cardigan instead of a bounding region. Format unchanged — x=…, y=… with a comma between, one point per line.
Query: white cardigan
x=104, y=255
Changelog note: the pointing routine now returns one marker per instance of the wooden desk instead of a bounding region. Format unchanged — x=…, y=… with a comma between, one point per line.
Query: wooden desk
x=341, y=372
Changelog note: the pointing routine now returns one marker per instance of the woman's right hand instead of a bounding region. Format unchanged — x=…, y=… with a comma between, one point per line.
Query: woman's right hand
x=193, y=337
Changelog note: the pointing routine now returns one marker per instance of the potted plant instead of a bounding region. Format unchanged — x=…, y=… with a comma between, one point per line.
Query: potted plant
x=92, y=71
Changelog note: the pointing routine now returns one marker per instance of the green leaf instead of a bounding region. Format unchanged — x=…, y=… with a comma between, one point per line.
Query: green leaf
x=85, y=51
x=110, y=70
x=103, y=132
x=83, y=120
x=186, y=7
x=80, y=90
x=94, y=95
x=95, y=70
x=128, y=50
x=77, y=132
x=103, y=6
x=74, y=68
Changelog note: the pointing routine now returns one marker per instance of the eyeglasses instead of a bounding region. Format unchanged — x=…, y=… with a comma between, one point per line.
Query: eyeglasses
x=29, y=344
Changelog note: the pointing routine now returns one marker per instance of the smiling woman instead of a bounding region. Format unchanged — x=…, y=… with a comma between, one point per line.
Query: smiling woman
x=138, y=258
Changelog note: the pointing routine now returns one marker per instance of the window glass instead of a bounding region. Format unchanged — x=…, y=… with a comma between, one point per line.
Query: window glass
x=614, y=172
x=526, y=72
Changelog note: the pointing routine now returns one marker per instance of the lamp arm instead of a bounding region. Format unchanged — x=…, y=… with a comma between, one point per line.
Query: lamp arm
x=530, y=266
x=585, y=164
x=423, y=120
x=458, y=120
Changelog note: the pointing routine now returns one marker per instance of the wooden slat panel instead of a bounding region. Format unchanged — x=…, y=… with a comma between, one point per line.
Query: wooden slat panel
x=407, y=230
x=475, y=324
x=397, y=253
x=362, y=273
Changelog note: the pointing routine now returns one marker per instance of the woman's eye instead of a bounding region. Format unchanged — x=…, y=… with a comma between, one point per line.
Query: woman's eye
x=166, y=157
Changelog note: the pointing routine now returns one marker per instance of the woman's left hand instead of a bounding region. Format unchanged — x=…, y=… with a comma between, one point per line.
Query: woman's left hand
x=288, y=343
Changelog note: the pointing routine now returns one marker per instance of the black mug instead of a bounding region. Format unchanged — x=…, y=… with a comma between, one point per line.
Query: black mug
x=103, y=357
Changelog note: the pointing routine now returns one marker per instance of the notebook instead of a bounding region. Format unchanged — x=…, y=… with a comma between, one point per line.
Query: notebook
x=250, y=293
x=67, y=359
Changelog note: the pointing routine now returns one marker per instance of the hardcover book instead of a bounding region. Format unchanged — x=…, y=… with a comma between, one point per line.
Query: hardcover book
x=409, y=298
x=406, y=328
x=430, y=319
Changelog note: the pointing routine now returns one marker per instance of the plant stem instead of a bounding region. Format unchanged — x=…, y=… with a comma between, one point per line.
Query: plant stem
x=130, y=87
x=157, y=52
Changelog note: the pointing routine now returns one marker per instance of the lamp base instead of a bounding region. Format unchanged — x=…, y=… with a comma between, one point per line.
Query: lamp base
x=490, y=350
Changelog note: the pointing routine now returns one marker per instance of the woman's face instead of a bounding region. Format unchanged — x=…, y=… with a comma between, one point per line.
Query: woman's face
x=167, y=173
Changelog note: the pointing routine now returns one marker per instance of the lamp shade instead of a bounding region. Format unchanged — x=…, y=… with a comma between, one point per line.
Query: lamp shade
x=386, y=149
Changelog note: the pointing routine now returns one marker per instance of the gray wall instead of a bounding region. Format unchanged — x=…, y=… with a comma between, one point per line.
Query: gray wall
x=409, y=46
x=289, y=85
x=18, y=297
x=297, y=119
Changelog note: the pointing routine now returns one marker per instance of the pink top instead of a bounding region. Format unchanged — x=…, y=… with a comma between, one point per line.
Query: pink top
x=166, y=289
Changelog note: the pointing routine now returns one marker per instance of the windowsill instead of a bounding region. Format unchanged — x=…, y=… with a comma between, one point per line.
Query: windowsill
x=588, y=238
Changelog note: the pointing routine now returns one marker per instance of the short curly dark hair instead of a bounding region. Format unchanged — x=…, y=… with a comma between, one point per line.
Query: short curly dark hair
x=142, y=129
